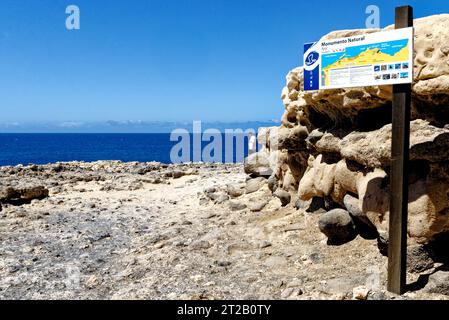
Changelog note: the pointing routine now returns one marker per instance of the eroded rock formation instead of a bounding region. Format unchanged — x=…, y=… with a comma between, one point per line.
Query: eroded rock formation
x=335, y=145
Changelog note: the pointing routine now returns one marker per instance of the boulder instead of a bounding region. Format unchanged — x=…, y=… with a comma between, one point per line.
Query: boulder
x=338, y=226
x=258, y=165
x=289, y=182
x=283, y=195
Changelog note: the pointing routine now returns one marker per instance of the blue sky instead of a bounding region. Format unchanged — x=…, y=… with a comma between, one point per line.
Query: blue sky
x=152, y=60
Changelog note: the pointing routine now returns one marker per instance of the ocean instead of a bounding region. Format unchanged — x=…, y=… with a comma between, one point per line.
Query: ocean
x=50, y=148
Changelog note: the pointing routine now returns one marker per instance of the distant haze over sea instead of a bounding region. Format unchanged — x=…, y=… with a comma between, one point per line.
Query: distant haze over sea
x=127, y=126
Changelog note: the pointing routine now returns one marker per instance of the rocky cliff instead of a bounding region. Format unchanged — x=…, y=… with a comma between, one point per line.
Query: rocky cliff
x=332, y=150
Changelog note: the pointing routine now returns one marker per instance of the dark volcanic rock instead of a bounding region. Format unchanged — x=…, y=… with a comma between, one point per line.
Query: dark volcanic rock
x=338, y=226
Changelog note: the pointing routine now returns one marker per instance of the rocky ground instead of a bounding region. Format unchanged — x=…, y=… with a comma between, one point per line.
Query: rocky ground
x=112, y=230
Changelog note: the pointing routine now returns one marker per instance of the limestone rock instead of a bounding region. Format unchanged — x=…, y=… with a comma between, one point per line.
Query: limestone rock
x=293, y=139
x=258, y=205
x=335, y=145
x=236, y=206
x=314, y=136
x=431, y=43
x=22, y=194
x=426, y=143
x=254, y=185
x=258, y=165
x=360, y=293
x=318, y=181
x=328, y=143
x=178, y=174
x=222, y=198
x=235, y=190
x=268, y=138
x=438, y=283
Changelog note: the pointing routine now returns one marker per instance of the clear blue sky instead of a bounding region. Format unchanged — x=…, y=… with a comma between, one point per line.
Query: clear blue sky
x=163, y=60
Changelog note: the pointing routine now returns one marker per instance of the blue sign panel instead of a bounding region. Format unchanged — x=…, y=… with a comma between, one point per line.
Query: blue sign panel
x=311, y=67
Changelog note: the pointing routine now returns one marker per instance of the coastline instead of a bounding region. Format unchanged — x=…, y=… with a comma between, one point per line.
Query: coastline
x=44, y=149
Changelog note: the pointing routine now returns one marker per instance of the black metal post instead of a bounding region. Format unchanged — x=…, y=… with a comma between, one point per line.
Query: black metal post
x=397, y=248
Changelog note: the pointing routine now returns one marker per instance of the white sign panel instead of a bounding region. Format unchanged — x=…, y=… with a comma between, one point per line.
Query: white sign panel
x=382, y=58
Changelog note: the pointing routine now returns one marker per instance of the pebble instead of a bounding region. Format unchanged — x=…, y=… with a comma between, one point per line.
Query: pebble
x=360, y=293
x=210, y=190
x=236, y=206
x=258, y=205
x=93, y=282
x=222, y=198
x=287, y=293
x=14, y=268
x=159, y=245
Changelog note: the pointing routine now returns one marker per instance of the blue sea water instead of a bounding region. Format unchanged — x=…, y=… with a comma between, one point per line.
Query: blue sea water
x=49, y=148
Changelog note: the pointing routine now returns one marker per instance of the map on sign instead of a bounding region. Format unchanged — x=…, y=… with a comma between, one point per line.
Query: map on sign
x=373, y=59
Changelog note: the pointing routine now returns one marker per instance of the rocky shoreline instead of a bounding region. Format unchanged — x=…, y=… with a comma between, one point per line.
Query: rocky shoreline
x=113, y=230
